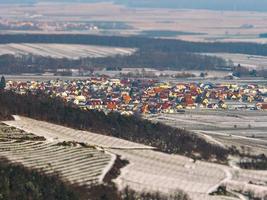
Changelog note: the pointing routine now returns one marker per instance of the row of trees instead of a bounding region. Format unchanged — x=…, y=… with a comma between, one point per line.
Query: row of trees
x=258, y=162
x=10, y=64
x=164, y=138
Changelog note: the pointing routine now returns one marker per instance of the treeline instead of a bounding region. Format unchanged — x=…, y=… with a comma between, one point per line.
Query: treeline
x=256, y=162
x=151, y=53
x=162, y=60
x=164, y=138
x=10, y=64
x=5, y=114
x=18, y=182
x=165, y=45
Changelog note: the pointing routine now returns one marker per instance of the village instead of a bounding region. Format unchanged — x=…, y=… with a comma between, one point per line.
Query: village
x=148, y=96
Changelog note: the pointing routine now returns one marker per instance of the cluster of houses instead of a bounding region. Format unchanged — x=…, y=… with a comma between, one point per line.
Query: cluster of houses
x=129, y=96
x=11, y=24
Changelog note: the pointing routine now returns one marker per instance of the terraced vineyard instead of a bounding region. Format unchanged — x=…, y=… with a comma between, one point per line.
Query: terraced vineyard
x=75, y=163
x=53, y=132
x=155, y=171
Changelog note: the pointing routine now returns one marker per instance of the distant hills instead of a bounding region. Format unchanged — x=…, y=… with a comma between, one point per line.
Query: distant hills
x=239, y=5
x=17, y=1
x=236, y=5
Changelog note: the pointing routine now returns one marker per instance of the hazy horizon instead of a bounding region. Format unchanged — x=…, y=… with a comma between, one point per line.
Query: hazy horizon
x=236, y=5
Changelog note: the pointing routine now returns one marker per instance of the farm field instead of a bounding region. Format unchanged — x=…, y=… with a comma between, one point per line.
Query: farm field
x=73, y=163
x=63, y=50
x=249, y=61
x=152, y=170
x=239, y=128
x=192, y=25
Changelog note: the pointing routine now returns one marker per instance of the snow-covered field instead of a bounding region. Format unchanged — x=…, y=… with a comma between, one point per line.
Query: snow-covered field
x=249, y=61
x=76, y=164
x=154, y=171
x=239, y=128
x=58, y=133
x=71, y=51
